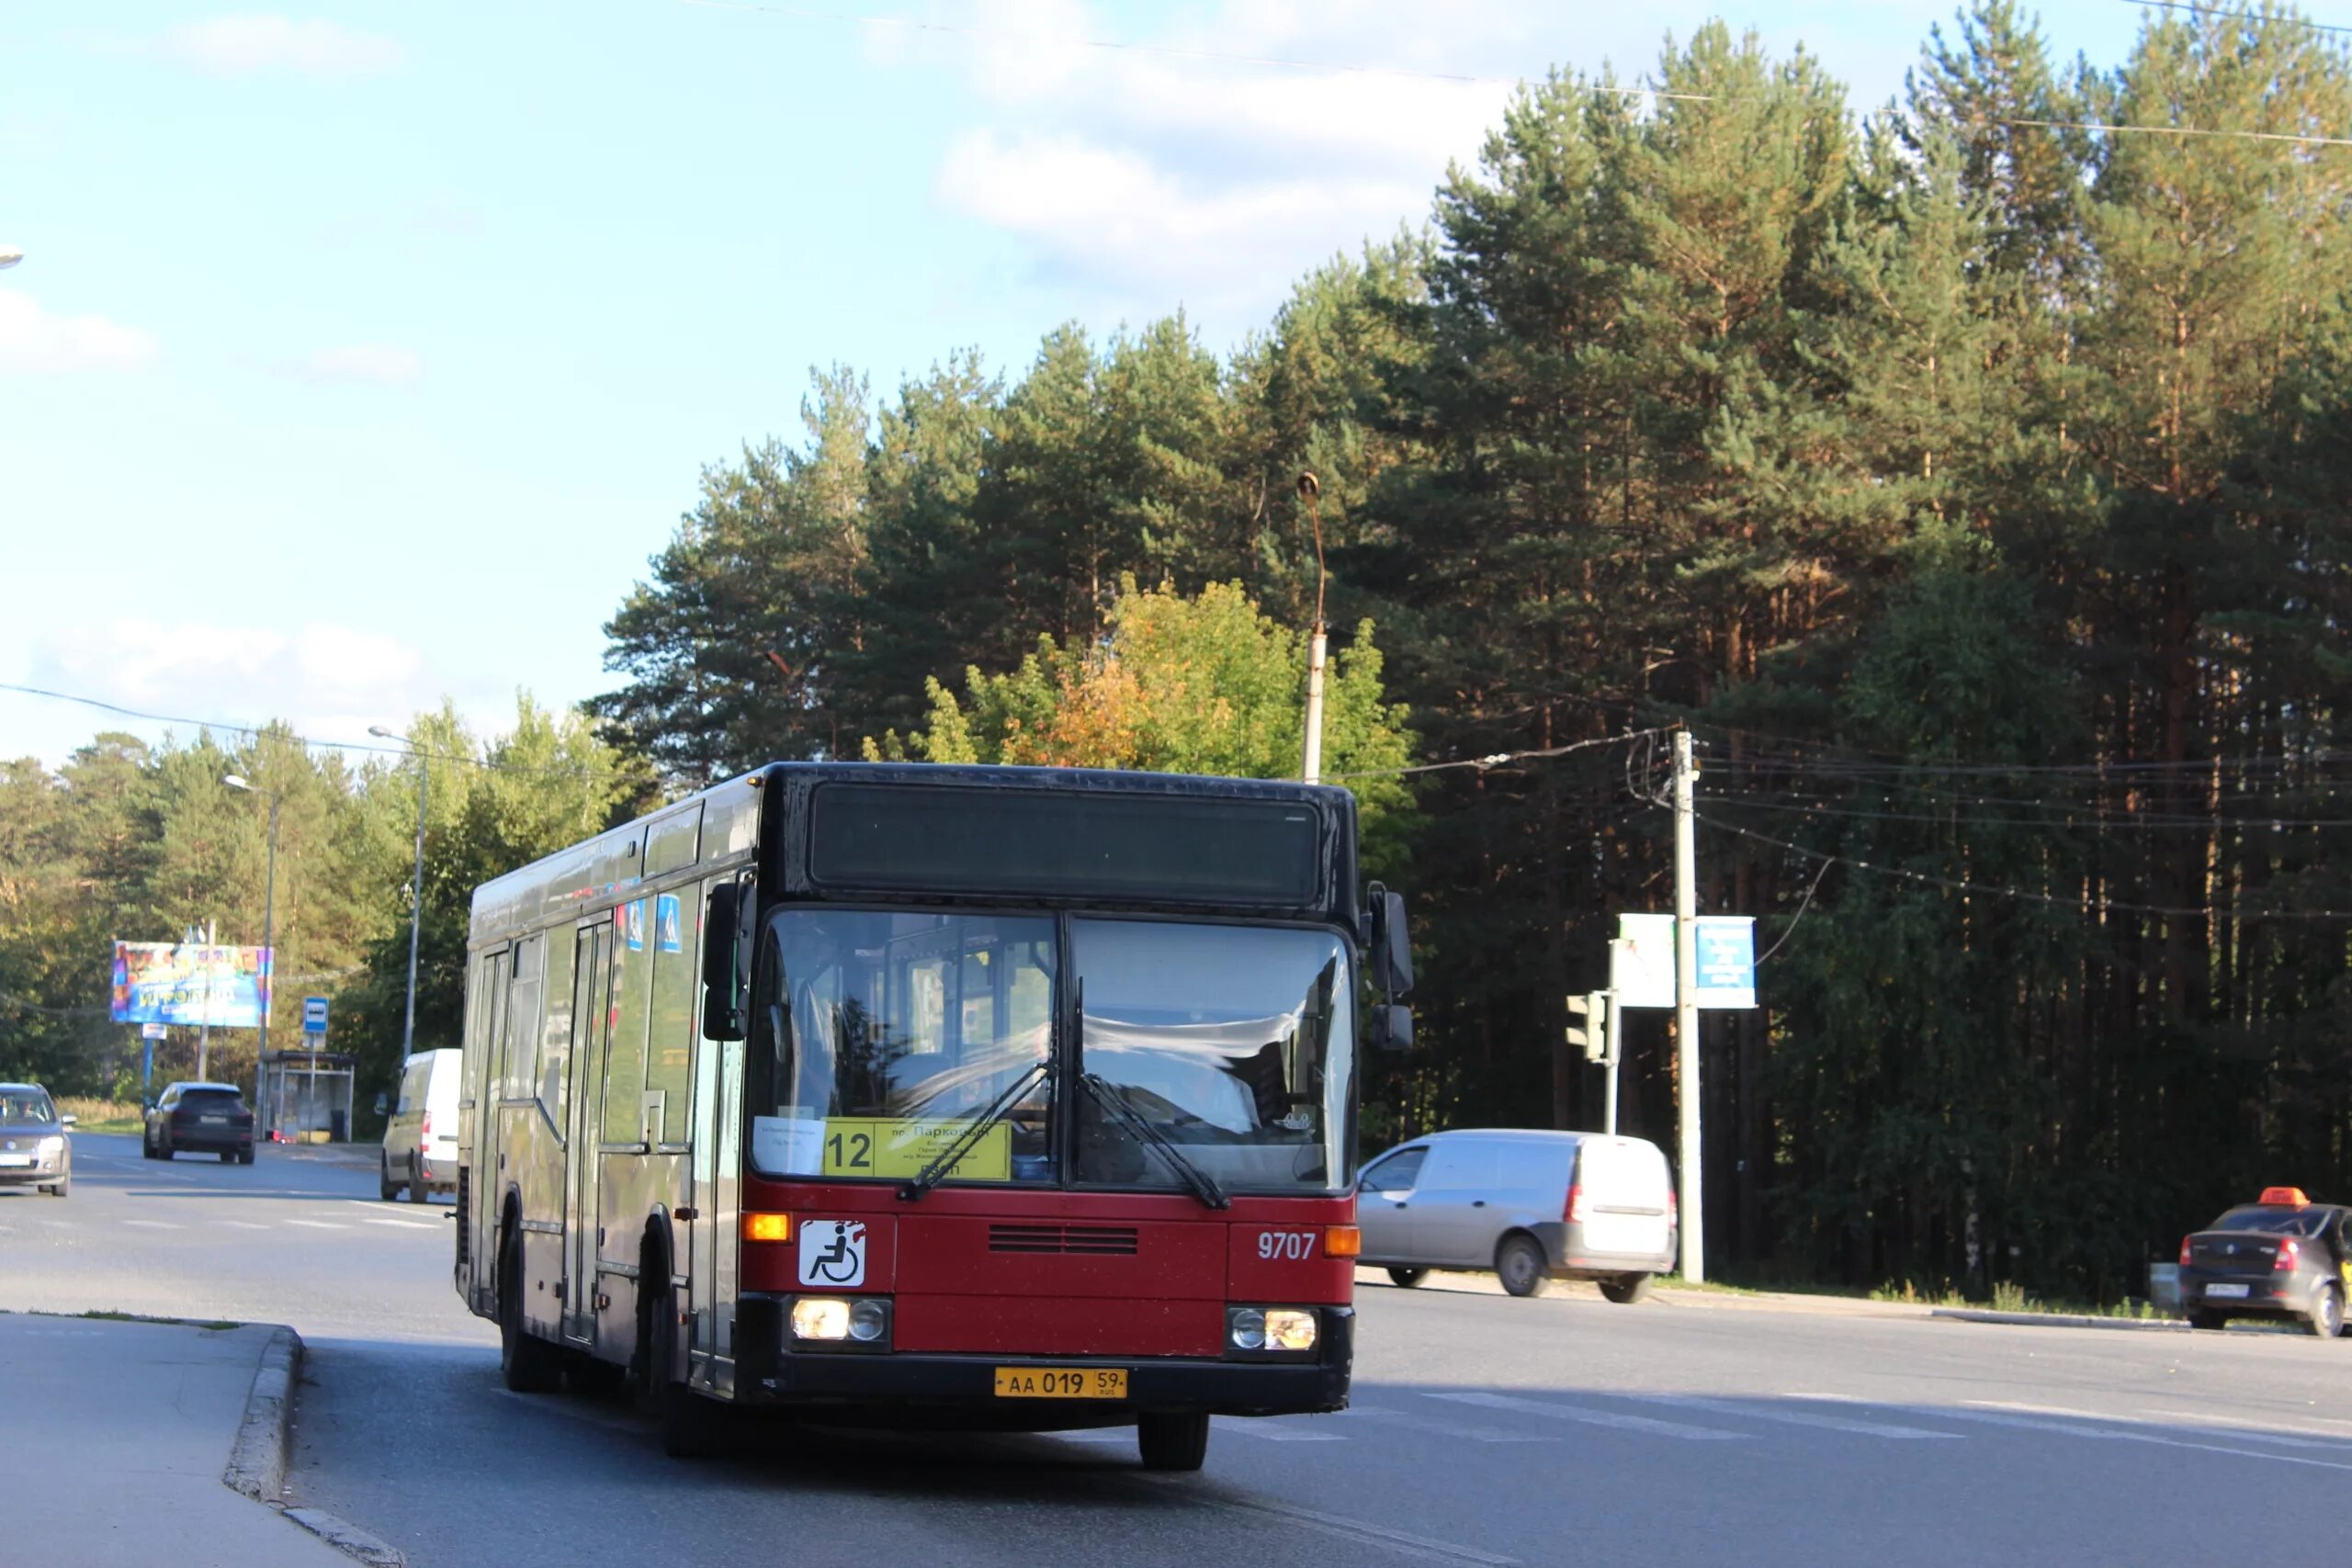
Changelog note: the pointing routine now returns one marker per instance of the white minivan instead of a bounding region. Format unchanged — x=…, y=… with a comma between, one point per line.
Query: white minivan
x=1530, y=1205
x=420, y=1140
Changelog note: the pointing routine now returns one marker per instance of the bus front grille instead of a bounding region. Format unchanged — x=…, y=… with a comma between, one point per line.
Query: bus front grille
x=1101, y=1241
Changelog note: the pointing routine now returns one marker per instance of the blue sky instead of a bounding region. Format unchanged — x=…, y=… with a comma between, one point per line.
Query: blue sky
x=364, y=353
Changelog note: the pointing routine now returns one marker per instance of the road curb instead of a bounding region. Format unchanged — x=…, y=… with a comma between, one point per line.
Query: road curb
x=257, y=1458
x=349, y=1539
x=2062, y=1320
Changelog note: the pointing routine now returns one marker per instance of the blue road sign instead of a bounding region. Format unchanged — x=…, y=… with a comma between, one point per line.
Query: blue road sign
x=314, y=1015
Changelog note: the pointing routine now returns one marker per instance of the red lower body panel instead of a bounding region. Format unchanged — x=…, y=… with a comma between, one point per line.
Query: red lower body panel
x=1057, y=1325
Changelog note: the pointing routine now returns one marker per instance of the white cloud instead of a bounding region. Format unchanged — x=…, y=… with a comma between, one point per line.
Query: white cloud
x=251, y=44
x=1113, y=213
x=1199, y=168
x=37, y=340
x=369, y=364
x=329, y=681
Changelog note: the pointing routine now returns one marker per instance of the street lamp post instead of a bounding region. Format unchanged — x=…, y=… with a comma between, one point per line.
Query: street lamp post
x=268, y=926
x=415, y=886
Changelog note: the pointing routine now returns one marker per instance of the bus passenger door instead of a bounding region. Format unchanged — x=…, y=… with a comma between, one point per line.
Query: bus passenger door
x=591, y=1026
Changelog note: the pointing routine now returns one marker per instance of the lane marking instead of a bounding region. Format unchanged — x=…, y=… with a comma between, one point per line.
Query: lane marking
x=1789, y=1418
x=401, y=1224
x=320, y=1224
x=240, y=1224
x=2306, y=1437
x=1354, y=1530
x=2099, y=1434
x=1445, y=1428
x=150, y=1225
x=1617, y=1419
x=1266, y=1429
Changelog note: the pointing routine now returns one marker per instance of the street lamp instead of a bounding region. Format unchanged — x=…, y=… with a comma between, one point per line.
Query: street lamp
x=268, y=924
x=415, y=886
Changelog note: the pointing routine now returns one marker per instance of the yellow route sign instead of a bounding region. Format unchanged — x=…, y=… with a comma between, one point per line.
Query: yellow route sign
x=899, y=1148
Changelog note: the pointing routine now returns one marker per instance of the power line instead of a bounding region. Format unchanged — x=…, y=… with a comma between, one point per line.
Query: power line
x=304, y=742
x=1499, y=759
x=1655, y=95
x=2083, y=817
x=2233, y=13
x=2081, y=905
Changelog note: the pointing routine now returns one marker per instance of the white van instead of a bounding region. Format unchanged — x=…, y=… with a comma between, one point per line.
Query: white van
x=1530, y=1205
x=420, y=1140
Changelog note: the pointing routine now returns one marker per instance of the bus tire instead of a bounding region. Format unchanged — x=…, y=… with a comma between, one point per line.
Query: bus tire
x=688, y=1422
x=529, y=1364
x=1172, y=1440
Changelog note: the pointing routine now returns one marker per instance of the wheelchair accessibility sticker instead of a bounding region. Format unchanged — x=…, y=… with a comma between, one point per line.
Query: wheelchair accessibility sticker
x=832, y=1252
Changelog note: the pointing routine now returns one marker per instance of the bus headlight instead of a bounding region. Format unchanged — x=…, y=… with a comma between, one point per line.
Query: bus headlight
x=862, y=1322
x=820, y=1317
x=1289, y=1328
x=1271, y=1328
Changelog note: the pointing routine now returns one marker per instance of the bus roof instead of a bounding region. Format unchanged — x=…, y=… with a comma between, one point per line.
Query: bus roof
x=738, y=821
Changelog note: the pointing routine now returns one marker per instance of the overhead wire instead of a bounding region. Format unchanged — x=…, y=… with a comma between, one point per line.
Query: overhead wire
x=2083, y=906
x=1655, y=95
x=305, y=742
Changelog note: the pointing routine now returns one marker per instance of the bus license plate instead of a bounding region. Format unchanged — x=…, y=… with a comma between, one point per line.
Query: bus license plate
x=1061, y=1382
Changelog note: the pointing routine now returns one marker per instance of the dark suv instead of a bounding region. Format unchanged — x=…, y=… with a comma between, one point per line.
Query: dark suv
x=203, y=1118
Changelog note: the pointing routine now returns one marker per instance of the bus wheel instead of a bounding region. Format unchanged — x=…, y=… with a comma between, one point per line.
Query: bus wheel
x=529, y=1365
x=1172, y=1441
x=688, y=1421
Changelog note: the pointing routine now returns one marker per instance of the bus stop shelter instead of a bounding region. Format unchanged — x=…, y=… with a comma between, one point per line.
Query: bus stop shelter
x=305, y=1096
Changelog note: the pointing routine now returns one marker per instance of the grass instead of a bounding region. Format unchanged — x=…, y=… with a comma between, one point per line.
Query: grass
x=103, y=1115
x=102, y=1315
x=2010, y=1297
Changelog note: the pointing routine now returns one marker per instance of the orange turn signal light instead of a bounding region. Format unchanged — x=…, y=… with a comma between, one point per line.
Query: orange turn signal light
x=767, y=1227
x=2290, y=1197
x=1342, y=1241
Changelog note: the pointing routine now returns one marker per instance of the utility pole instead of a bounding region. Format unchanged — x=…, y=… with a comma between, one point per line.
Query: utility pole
x=1308, y=490
x=1616, y=1026
x=416, y=879
x=204, y=1024
x=1686, y=1012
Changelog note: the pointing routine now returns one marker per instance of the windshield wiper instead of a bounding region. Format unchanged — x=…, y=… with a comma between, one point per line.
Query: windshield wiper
x=936, y=1171
x=1203, y=1185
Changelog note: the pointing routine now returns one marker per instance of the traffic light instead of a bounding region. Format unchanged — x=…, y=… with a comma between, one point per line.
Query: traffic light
x=1593, y=1033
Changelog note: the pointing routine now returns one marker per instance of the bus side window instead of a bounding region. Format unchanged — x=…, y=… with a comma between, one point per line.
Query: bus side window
x=632, y=982
x=519, y=1058
x=669, y=1053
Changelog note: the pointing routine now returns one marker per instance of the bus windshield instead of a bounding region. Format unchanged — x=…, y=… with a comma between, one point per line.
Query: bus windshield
x=878, y=1037
x=1235, y=1043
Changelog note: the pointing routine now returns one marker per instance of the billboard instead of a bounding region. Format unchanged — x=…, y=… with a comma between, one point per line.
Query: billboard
x=190, y=983
x=1641, y=961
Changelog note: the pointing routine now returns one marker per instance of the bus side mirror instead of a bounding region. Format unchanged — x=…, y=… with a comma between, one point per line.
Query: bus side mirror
x=1391, y=1027
x=1391, y=944
x=725, y=978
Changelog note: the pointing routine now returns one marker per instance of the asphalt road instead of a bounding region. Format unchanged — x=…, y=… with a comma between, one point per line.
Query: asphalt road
x=1486, y=1431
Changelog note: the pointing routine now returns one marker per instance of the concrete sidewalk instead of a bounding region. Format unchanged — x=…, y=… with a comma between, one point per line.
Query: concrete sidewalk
x=119, y=1434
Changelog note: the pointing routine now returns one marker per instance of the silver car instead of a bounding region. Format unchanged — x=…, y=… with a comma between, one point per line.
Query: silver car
x=34, y=1149
x=1532, y=1206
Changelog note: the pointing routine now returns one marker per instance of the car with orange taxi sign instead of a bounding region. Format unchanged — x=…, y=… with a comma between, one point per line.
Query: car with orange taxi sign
x=2281, y=1256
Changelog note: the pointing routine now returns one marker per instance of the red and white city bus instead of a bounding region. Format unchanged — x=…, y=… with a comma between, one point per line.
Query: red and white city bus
x=1021, y=1099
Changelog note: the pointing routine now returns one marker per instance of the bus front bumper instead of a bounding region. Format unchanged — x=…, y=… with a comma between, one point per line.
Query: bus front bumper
x=1257, y=1386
